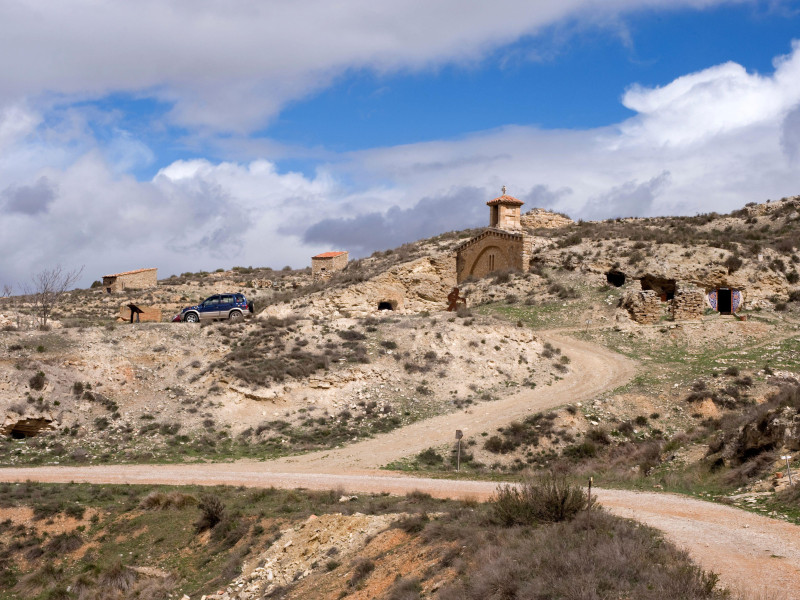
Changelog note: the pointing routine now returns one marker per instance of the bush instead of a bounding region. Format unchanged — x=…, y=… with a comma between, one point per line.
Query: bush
x=430, y=457
x=498, y=445
x=212, y=511
x=405, y=589
x=733, y=263
x=171, y=500
x=547, y=498
x=361, y=568
x=38, y=381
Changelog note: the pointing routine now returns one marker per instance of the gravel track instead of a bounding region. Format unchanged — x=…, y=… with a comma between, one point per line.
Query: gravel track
x=755, y=555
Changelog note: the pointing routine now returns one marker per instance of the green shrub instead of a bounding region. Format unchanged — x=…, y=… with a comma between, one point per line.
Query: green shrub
x=546, y=498
x=430, y=457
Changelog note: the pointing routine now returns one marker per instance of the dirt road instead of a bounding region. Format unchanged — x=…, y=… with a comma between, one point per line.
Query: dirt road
x=751, y=553
x=595, y=370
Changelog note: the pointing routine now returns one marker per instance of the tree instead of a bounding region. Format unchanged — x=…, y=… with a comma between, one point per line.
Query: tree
x=47, y=289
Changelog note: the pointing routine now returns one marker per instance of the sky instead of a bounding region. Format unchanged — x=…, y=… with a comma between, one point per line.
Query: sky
x=199, y=134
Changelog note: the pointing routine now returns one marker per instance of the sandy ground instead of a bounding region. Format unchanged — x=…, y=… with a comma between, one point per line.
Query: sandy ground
x=752, y=554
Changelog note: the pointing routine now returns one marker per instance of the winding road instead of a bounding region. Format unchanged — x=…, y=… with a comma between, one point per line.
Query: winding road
x=754, y=555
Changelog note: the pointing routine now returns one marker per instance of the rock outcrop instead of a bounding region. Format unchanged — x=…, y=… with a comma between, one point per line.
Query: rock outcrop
x=416, y=286
x=539, y=218
x=300, y=550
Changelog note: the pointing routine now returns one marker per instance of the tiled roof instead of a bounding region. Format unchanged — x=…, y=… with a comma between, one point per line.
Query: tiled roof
x=130, y=272
x=505, y=199
x=329, y=255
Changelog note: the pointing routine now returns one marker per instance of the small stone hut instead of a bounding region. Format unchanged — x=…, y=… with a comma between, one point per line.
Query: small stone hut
x=326, y=264
x=504, y=245
x=130, y=280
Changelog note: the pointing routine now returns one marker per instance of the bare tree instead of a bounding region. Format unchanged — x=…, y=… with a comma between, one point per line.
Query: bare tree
x=6, y=291
x=47, y=289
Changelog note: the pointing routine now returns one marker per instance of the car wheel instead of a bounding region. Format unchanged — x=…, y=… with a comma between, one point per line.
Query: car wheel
x=191, y=318
x=235, y=315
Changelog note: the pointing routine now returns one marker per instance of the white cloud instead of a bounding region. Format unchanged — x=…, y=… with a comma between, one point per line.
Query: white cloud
x=233, y=65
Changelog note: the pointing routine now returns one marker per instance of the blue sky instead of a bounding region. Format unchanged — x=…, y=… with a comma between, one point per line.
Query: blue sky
x=195, y=135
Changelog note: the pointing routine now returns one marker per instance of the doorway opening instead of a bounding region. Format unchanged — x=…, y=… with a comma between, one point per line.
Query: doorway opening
x=724, y=301
x=665, y=288
x=385, y=305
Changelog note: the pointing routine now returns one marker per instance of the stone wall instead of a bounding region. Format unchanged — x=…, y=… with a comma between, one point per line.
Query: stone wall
x=131, y=280
x=688, y=303
x=643, y=306
x=493, y=250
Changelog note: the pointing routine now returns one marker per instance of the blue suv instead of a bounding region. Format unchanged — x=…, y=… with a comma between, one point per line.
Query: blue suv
x=219, y=306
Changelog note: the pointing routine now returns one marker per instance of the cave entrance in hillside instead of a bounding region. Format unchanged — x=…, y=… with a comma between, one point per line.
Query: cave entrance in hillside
x=385, y=305
x=665, y=288
x=25, y=428
x=724, y=301
x=615, y=278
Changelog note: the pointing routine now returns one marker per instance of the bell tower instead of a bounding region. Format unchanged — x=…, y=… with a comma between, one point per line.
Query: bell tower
x=504, y=212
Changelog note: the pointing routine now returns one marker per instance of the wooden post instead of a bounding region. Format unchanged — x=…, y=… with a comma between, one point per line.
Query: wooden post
x=589, y=499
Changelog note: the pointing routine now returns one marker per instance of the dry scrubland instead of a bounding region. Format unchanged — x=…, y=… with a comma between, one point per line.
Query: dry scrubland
x=714, y=405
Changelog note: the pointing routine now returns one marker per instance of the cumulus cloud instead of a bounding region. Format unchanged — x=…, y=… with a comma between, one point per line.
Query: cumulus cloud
x=231, y=66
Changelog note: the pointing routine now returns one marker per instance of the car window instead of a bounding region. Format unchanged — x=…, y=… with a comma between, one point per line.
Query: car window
x=226, y=300
x=239, y=298
x=211, y=301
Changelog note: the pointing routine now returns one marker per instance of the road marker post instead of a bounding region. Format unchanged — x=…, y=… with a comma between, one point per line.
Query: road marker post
x=459, y=435
x=788, y=457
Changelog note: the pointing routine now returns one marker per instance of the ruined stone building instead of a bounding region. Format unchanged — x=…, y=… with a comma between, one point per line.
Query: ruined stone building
x=503, y=246
x=661, y=297
x=326, y=264
x=139, y=279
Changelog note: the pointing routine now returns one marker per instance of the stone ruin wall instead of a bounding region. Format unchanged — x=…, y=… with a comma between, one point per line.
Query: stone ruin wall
x=644, y=307
x=688, y=303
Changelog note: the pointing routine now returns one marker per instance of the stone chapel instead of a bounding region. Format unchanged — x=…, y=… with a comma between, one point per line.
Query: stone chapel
x=503, y=246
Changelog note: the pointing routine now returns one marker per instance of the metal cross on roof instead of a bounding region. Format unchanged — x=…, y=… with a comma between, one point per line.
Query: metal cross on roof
x=503, y=190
